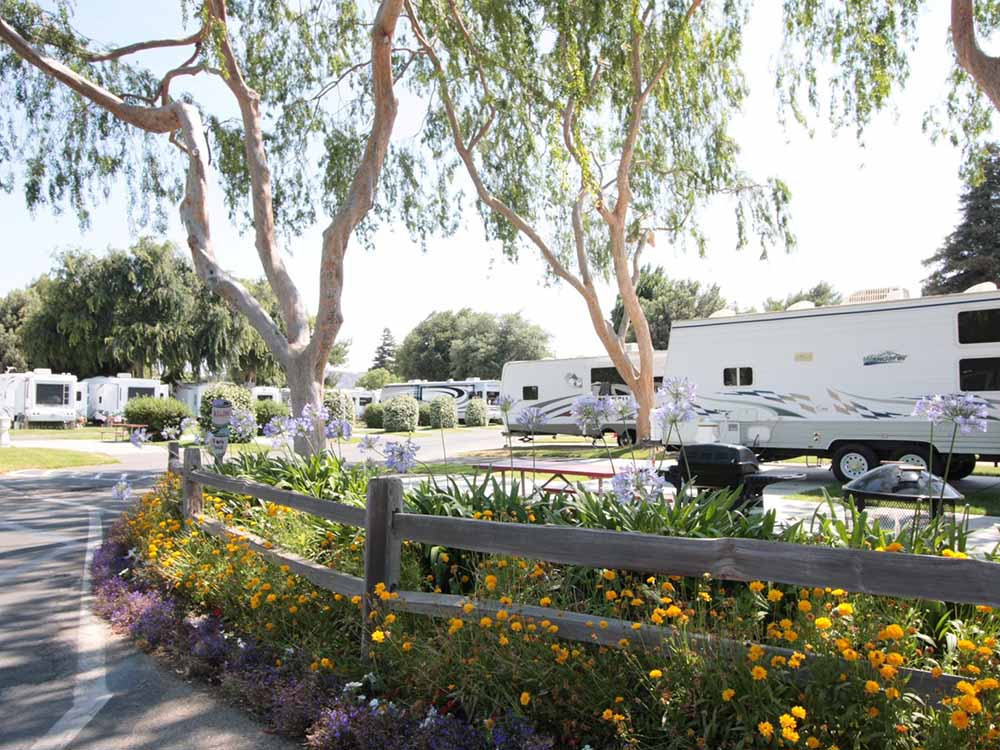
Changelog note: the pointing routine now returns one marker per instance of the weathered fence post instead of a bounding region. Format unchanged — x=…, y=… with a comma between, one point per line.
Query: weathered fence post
x=173, y=457
x=192, y=489
x=382, y=547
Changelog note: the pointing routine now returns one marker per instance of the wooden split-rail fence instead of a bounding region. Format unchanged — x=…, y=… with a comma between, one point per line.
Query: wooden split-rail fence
x=387, y=523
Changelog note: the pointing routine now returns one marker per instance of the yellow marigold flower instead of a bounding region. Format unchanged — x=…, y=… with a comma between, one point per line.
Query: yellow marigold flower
x=655, y=674
x=790, y=734
x=727, y=694
x=503, y=640
x=603, y=624
x=525, y=698
x=823, y=623
x=872, y=687
x=468, y=607
x=812, y=743
x=756, y=586
x=607, y=714
x=787, y=720
x=355, y=599
x=966, y=645
x=766, y=730
x=325, y=663
x=894, y=547
x=936, y=672
x=491, y=582
x=293, y=609
x=755, y=653
x=959, y=719
x=805, y=605
x=545, y=601
x=895, y=658
x=502, y=615
x=516, y=626
x=873, y=712
x=407, y=646
x=888, y=672
x=798, y=712
x=758, y=673
x=892, y=693
x=485, y=622
x=987, y=683
x=609, y=575
x=454, y=625
x=610, y=595
x=774, y=595
x=970, y=704
x=506, y=601
x=623, y=642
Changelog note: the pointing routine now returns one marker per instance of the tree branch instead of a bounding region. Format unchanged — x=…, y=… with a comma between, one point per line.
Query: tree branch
x=361, y=193
x=140, y=46
x=984, y=69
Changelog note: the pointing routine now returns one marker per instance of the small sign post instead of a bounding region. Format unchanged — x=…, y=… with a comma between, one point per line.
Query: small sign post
x=218, y=441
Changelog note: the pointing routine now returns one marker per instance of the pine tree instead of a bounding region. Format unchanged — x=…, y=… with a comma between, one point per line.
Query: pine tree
x=971, y=254
x=385, y=354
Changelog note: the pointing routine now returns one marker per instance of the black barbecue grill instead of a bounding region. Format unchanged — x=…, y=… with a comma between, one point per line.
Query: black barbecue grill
x=718, y=466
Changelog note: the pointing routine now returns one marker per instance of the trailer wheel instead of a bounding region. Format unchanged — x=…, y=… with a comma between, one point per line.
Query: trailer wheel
x=851, y=461
x=626, y=438
x=913, y=458
x=962, y=466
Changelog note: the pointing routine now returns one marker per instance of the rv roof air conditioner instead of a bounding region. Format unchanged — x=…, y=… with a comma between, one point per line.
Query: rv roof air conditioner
x=42, y=371
x=986, y=286
x=724, y=313
x=804, y=304
x=877, y=294
x=124, y=375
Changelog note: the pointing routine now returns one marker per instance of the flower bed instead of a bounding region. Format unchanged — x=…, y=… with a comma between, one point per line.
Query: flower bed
x=487, y=668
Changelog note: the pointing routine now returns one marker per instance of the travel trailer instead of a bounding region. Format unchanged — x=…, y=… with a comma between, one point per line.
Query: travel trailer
x=80, y=400
x=107, y=395
x=460, y=390
x=837, y=382
x=265, y=393
x=362, y=398
x=190, y=394
x=38, y=396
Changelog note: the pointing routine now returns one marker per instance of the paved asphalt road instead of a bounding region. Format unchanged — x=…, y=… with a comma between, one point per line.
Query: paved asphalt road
x=67, y=682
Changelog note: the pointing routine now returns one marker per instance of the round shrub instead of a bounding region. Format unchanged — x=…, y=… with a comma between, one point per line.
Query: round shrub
x=444, y=412
x=237, y=395
x=424, y=416
x=477, y=413
x=401, y=414
x=373, y=415
x=265, y=411
x=340, y=404
x=157, y=414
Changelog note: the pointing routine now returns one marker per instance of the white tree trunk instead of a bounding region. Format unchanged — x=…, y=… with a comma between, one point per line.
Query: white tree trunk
x=305, y=391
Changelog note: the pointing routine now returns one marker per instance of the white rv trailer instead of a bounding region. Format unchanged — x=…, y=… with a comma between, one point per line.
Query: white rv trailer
x=80, y=400
x=39, y=396
x=460, y=390
x=107, y=395
x=265, y=393
x=191, y=394
x=362, y=397
x=841, y=382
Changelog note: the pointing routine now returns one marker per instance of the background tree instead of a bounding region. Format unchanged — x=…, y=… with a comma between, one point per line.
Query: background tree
x=821, y=295
x=971, y=254
x=14, y=309
x=376, y=378
x=665, y=300
x=96, y=117
x=385, y=354
x=464, y=344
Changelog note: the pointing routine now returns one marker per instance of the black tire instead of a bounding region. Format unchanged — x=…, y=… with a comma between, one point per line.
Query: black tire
x=852, y=460
x=961, y=467
x=626, y=438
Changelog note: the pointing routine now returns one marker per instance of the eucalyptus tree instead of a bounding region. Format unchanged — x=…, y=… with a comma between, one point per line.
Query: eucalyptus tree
x=590, y=129
x=83, y=115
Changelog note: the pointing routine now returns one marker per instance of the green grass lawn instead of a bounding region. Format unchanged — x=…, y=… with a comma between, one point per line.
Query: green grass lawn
x=15, y=458
x=579, y=450
x=49, y=433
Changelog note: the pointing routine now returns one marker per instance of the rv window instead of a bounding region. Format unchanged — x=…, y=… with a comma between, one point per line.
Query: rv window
x=732, y=376
x=729, y=376
x=136, y=392
x=492, y=397
x=979, y=326
x=746, y=376
x=529, y=393
x=51, y=394
x=264, y=397
x=981, y=374
x=78, y=395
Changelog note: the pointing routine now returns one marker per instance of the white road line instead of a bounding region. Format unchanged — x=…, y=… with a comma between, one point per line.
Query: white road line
x=74, y=504
x=15, y=526
x=90, y=689
x=98, y=475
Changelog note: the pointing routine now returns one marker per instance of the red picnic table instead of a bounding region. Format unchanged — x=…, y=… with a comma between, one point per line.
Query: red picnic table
x=559, y=471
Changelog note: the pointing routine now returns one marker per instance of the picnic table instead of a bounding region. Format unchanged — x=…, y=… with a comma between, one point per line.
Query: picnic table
x=560, y=472
x=120, y=430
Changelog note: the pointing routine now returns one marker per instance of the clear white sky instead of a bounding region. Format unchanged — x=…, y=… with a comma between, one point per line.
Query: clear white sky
x=864, y=216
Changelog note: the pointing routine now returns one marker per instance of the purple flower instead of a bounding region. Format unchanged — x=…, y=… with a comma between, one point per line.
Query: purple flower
x=139, y=437
x=401, y=456
x=505, y=404
x=591, y=413
x=513, y=732
x=642, y=483
x=339, y=429
x=931, y=407
x=318, y=415
x=676, y=399
x=170, y=433
x=968, y=412
x=243, y=425
x=624, y=409
x=122, y=491
x=531, y=418
x=369, y=444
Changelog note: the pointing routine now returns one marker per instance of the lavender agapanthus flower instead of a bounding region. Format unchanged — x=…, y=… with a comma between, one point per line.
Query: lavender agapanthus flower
x=637, y=483
x=243, y=425
x=139, y=437
x=277, y=430
x=188, y=424
x=591, y=413
x=369, y=444
x=676, y=399
x=171, y=433
x=318, y=415
x=122, y=491
x=531, y=418
x=338, y=429
x=624, y=409
x=506, y=404
x=968, y=412
x=679, y=390
x=401, y=456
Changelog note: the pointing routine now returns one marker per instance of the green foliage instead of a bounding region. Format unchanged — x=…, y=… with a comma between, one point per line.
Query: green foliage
x=424, y=414
x=665, y=300
x=443, y=412
x=400, y=414
x=464, y=344
x=157, y=414
x=374, y=415
x=385, y=354
x=14, y=309
x=265, y=411
x=340, y=404
x=971, y=253
x=822, y=295
x=477, y=413
x=237, y=395
x=375, y=379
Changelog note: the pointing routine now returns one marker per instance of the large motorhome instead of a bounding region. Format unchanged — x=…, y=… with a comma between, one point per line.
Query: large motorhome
x=107, y=396
x=838, y=382
x=460, y=390
x=265, y=393
x=39, y=396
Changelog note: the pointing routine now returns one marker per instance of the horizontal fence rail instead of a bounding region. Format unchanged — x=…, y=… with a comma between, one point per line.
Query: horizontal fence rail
x=387, y=525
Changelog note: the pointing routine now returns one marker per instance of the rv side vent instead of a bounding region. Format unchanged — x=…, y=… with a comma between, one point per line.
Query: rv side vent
x=877, y=294
x=986, y=286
